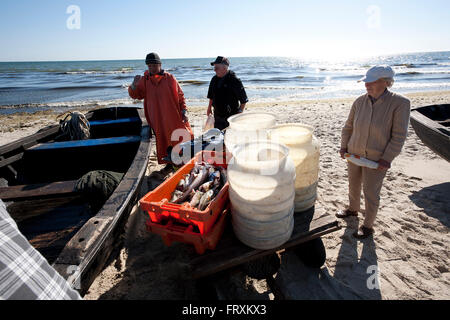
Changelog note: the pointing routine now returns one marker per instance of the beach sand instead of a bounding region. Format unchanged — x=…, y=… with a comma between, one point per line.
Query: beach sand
x=410, y=248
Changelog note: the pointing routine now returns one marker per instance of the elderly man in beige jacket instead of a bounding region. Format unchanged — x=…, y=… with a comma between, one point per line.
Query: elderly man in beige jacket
x=376, y=129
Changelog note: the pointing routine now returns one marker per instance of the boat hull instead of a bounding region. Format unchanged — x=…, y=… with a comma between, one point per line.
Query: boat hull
x=433, y=132
x=80, y=250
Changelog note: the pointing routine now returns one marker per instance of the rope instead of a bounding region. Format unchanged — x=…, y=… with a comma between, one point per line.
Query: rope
x=75, y=125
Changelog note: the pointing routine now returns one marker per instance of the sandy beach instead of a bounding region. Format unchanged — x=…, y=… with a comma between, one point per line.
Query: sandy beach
x=410, y=247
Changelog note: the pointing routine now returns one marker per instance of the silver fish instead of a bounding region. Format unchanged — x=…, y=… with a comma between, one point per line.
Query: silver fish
x=206, y=186
x=191, y=195
x=181, y=186
x=194, y=185
x=197, y=167
x=205, y=200
x=196, y=199
x=176, y=195
x=189, y=180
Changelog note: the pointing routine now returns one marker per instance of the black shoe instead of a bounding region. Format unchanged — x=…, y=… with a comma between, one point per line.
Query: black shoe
x=346, y=213
x=363, y=233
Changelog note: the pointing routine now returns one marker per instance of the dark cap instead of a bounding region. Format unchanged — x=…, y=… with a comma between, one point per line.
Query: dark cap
x=152, y=58
x=221, y=60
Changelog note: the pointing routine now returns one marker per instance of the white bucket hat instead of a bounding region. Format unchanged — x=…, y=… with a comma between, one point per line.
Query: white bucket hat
x=378, y=72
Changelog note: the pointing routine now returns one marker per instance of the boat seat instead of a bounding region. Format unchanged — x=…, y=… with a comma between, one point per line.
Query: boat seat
x=111, y=122
x=32, y=191
x=84, y=143
x=68, y=160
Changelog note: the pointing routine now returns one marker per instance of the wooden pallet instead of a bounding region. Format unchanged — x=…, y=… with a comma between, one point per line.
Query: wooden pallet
x=230, y=252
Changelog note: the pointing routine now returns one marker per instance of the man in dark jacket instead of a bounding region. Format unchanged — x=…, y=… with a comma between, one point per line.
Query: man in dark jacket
x=226, y=94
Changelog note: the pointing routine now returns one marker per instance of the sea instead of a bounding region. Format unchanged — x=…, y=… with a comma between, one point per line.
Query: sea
x=67, y=85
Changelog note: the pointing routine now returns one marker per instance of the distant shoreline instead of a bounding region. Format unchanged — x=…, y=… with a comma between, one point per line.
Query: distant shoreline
x=199, y=106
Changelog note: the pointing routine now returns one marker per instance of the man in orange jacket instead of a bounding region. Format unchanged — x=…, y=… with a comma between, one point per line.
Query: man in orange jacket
x=164, y=105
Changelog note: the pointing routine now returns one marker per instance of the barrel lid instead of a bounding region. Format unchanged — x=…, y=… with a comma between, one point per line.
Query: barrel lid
x=291, y=133
x=263, y=155
x=249, y=121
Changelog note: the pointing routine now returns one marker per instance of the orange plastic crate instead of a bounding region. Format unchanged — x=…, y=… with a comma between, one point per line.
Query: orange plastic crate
x=156, y=202
x=171, y=232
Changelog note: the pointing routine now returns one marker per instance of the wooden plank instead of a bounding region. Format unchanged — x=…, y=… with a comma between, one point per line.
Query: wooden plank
x=11, y=172
x=230, y=252
x=108, y=122
x=34, y=138
x=10, y=160
x=30, y=191
x=444, y=122
x=50, y=230
x=23, y=210
x=93, y=143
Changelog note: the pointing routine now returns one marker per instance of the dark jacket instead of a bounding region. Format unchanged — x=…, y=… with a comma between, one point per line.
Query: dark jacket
x=226, y=93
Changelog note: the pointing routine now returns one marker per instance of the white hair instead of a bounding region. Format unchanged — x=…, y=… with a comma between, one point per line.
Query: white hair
x=389, y=82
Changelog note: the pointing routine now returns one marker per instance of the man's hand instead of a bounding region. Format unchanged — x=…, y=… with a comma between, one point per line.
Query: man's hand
x=383, y=165
x=343, y=151
x=135, y=82
x=184, y=116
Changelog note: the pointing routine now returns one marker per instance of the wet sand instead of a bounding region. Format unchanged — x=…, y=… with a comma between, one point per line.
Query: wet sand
x=410, y=247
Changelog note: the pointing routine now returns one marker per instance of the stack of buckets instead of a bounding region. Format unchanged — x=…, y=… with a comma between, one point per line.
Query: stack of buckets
x=273, y=173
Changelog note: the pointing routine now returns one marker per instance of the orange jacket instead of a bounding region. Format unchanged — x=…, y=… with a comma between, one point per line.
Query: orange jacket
x=163, y=105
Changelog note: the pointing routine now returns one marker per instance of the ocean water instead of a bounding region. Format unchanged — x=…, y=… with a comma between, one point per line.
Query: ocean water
x=32, y=86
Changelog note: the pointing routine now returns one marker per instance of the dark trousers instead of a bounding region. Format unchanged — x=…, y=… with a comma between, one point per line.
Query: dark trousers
x=220, y=122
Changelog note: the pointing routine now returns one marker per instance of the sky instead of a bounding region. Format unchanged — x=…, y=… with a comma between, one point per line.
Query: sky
x=114, y=30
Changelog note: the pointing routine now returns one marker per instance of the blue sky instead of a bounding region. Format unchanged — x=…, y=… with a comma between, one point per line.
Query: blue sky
x=37, y=30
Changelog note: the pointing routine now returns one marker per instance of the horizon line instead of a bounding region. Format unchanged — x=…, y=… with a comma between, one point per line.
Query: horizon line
x=275, y=56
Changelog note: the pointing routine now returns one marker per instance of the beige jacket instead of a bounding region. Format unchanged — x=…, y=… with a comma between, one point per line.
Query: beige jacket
x=377, y=131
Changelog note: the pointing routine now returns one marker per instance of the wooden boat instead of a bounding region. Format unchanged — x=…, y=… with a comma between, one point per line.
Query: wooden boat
x=37, y=180
x=432, y=126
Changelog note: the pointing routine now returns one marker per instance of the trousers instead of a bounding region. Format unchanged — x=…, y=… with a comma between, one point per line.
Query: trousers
x=371, y=181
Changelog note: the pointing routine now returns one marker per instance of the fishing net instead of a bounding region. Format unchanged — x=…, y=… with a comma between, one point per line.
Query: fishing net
x=98, y=185
x=74, y=126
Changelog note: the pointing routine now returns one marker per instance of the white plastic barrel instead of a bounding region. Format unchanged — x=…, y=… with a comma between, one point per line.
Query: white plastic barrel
x=304, y=150
x=262, y=190
x=247, y=127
